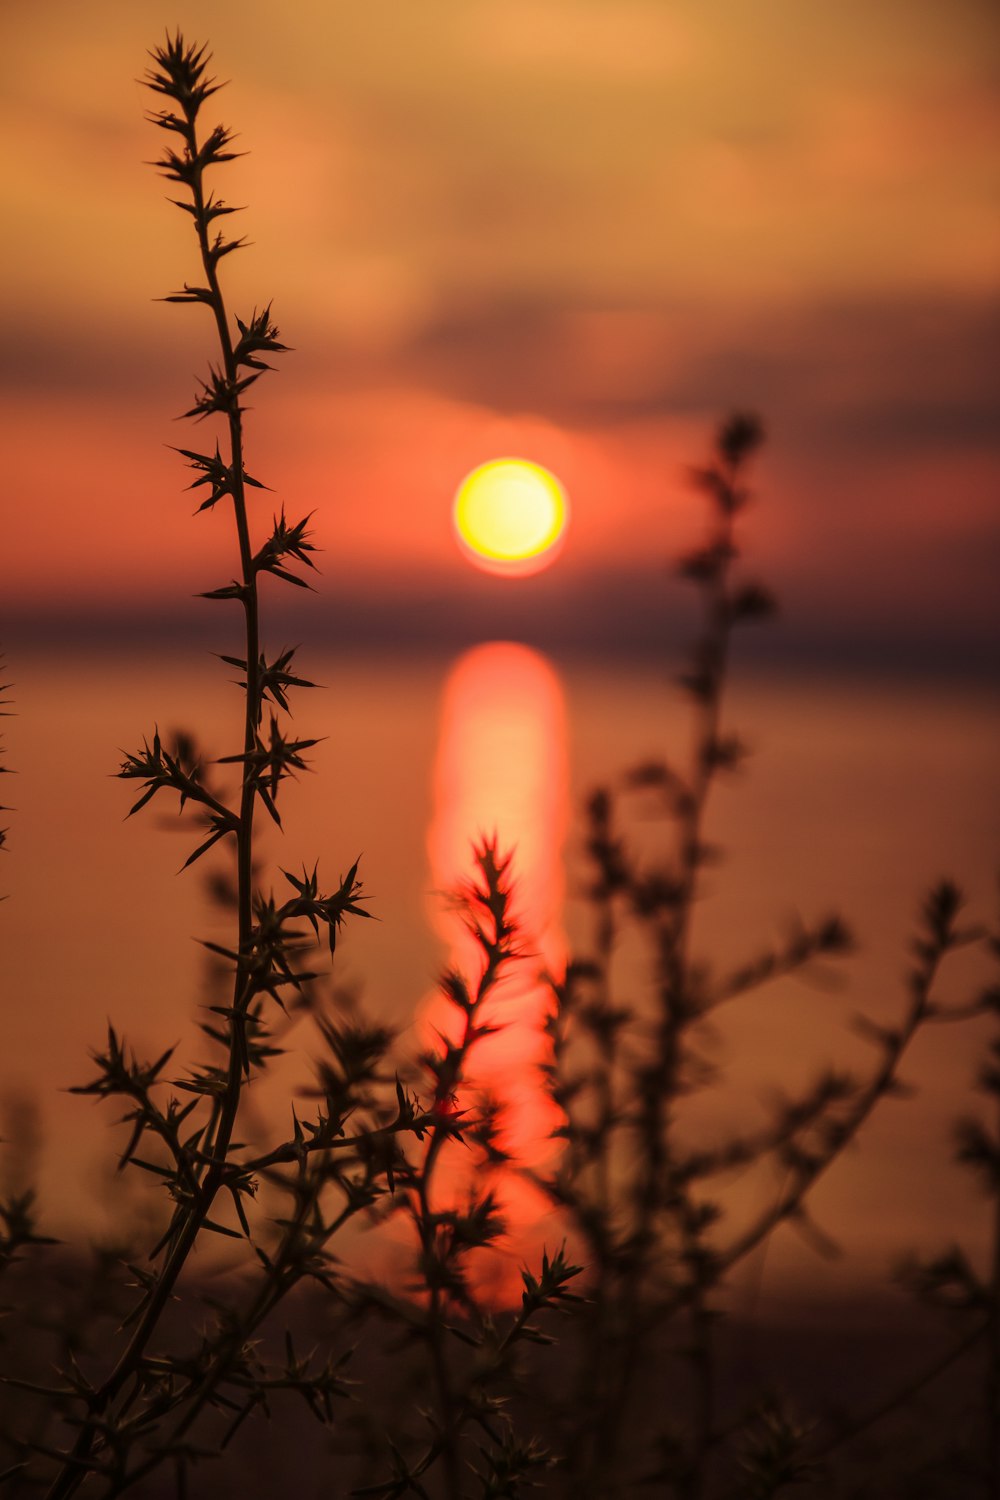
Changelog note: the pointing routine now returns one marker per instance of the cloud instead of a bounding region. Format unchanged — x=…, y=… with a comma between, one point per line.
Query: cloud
x=883, y=372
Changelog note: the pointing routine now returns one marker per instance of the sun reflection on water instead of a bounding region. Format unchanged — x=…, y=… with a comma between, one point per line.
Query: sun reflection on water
x=501, y=769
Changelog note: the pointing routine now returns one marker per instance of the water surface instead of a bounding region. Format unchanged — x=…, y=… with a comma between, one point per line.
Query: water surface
x=859, y=794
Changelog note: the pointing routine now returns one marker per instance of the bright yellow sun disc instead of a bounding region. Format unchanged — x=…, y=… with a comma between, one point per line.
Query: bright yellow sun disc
x=509, y=516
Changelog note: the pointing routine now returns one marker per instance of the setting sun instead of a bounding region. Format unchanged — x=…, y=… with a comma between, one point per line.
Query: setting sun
x=510, y=517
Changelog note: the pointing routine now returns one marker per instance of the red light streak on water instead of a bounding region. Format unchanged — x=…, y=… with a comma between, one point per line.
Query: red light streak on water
x=501, y=769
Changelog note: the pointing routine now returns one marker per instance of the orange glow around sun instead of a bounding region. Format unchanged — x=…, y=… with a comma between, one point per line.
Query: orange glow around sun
x=510, y=517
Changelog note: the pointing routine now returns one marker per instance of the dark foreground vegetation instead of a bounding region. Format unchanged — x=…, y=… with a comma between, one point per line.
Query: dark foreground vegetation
x=280, y=1361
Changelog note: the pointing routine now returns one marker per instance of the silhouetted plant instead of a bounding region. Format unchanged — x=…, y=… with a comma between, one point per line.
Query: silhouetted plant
x=470, y=1349
x=143, y=1411
x=638, y=1201
x=149, y=1409
x=648, y=1222
x=949, y=1280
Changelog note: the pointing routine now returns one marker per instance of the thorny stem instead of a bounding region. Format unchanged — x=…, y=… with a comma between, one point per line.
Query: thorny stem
x=677, y=1011
x=448, y=1071
x=290, y=1152
x=806, y=1174
x=657, y=1083
x=427, y=1230
x=244, y=836
x=283, y=1275
x=442, y=1379
x=74, y=1470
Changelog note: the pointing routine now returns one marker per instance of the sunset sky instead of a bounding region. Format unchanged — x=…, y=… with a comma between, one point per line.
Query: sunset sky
x=576, y=231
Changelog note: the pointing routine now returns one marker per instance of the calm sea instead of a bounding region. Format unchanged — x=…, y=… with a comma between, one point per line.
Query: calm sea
x=859, y=793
